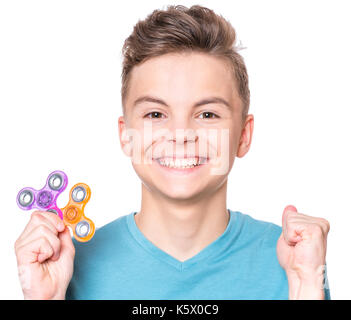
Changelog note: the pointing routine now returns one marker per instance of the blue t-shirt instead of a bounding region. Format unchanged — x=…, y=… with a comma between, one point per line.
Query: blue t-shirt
x=120, y=263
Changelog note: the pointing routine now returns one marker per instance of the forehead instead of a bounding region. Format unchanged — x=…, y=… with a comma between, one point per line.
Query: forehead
x=183, y=77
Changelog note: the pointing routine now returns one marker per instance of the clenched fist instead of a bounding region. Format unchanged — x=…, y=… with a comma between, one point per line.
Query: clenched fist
x=301, y=251
x=45, y=255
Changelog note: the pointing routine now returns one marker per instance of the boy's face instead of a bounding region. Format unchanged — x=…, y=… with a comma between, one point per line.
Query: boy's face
x=186, y=126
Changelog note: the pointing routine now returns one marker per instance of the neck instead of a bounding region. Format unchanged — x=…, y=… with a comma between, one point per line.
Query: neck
x=182, y=228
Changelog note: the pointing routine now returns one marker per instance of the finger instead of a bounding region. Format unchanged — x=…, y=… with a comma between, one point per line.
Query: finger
x=54, y=219
x=67, y=246
x=35, y=221
x=38, y=250
x=287, y=210
x=43, y=231
x=297, y=231
x=304, y=219
x=47, y=218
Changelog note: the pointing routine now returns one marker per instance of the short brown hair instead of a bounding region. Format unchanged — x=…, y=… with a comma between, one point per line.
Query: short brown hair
x=182, y=29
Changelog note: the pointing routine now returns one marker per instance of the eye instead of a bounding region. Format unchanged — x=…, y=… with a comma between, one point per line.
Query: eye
x=154, y=114
x=208, y=115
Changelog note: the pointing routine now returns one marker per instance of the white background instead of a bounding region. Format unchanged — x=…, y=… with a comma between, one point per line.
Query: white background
x=60, y=78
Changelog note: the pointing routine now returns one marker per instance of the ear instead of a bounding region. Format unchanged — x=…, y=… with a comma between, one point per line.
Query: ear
x=246, y=136
x=124, y=139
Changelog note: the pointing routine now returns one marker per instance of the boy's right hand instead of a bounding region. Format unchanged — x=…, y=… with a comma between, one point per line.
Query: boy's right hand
x=45, y=255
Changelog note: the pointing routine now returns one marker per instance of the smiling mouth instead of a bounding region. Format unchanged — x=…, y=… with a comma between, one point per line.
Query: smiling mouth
x=181, y=163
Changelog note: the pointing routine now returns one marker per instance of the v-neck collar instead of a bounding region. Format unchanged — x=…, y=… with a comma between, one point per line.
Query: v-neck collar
x=213, y=248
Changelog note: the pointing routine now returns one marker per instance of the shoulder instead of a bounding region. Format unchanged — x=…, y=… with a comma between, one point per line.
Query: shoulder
x=266, y=232
x=111, y=227
x=105, y=236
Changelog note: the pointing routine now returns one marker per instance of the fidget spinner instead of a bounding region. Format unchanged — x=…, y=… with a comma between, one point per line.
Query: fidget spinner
x=72, y=214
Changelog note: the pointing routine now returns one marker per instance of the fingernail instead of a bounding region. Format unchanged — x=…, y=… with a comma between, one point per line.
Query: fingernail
x=61, y=226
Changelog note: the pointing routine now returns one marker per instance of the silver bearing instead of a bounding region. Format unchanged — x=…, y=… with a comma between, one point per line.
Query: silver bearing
x=55, y=181
x=82, y=229
x=53, y=211
x=78, y=194
x=26, y=198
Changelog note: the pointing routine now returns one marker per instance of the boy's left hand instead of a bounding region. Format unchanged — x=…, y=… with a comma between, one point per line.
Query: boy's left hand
x=301, y=251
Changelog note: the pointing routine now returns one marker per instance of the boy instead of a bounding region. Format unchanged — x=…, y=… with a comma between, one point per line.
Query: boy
x=185, y=101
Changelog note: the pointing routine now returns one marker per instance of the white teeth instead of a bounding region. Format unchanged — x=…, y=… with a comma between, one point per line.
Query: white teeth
x=180, y=163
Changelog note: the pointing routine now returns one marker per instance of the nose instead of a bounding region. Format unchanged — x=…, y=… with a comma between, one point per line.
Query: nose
x=182, y=136
x=181, y=130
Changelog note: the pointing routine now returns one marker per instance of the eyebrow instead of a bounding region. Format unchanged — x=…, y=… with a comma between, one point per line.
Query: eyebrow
x=197, y=104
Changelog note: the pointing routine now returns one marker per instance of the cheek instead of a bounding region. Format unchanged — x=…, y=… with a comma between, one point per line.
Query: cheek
x=140, y=145
x=152, y=142
x=224, y=149
x=223, y=143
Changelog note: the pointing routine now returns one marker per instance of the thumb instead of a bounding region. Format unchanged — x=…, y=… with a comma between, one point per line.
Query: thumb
x=289, y=234
x=67, y=246
x=288, y=208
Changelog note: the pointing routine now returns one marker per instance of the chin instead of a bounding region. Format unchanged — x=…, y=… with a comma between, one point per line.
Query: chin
x=181, y=192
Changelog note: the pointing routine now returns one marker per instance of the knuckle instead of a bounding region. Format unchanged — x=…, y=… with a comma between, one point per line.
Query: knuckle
x=49, y=215
x=317, y=229
x=326, y=225
x=42, y=229
x=43, y=241
x=52, y=215
x=36, y=217
x=291, y=214
x=35, y=213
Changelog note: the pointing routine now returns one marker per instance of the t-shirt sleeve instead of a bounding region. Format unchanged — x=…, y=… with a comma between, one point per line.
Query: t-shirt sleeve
x=326, y=285
x=70, y=292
